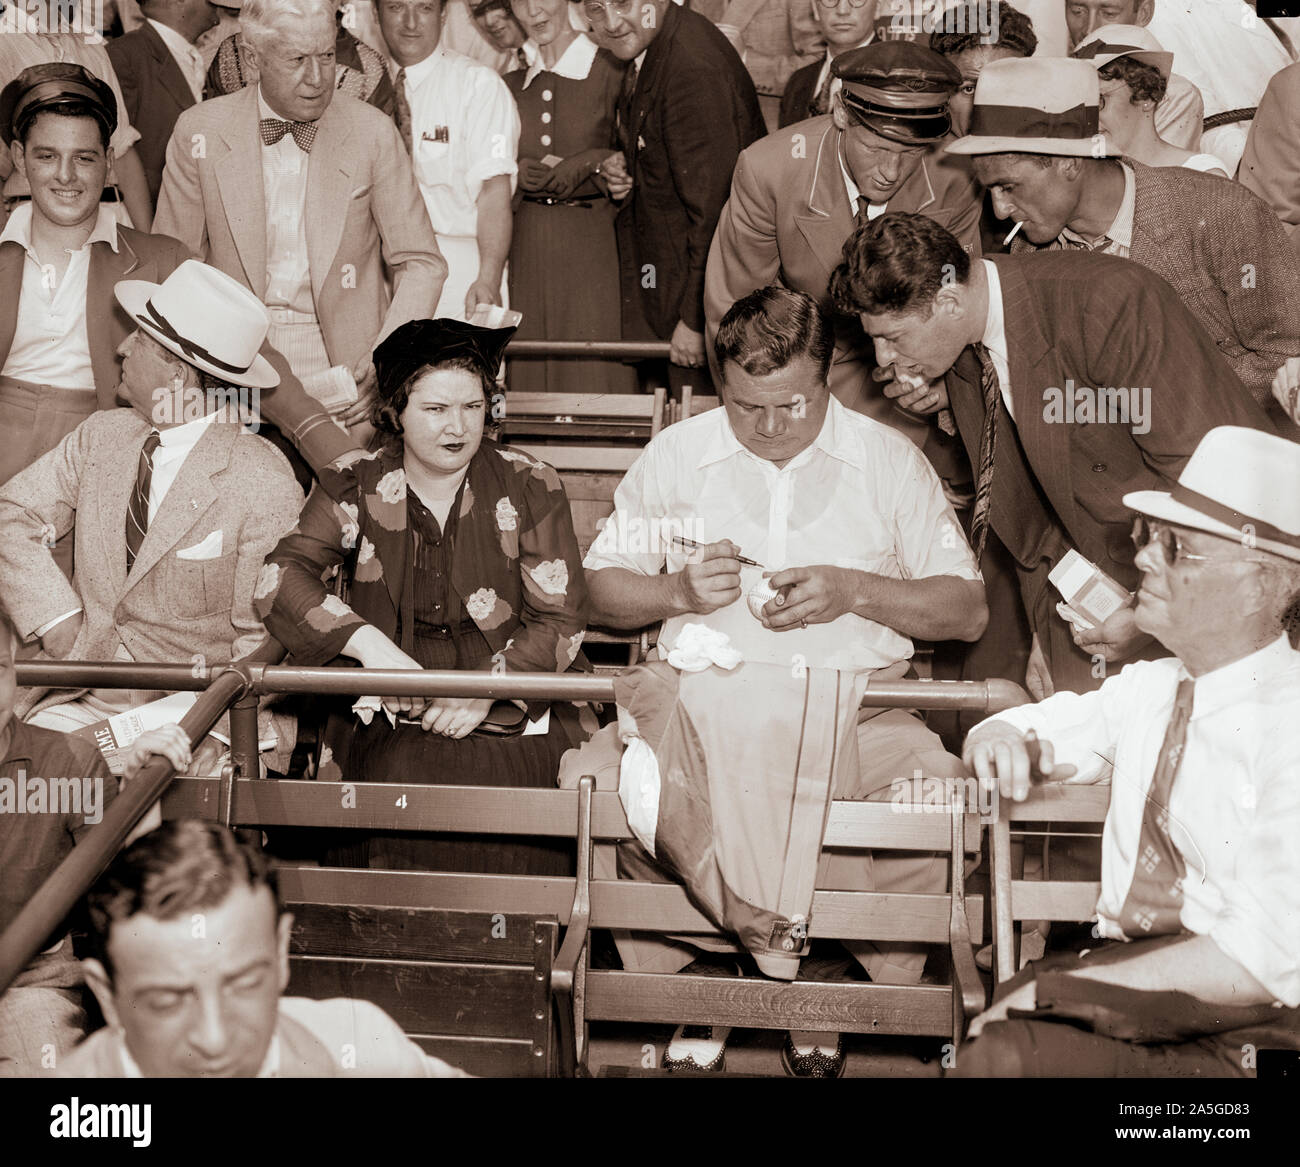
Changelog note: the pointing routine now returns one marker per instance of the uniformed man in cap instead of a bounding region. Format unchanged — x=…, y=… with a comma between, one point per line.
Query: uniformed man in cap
x=60, y=255
x=796, y=195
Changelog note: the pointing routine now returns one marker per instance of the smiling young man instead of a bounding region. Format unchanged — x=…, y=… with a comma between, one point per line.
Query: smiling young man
x=796, y=195
x=853, y=525
x=1199, y=913
x=192, y=960
x=999, y=340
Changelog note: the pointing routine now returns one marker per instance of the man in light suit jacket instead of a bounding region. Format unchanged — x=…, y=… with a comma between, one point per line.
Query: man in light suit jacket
x=330, y=179
x=791, y=206
x=1094, y=379
x=172, y=504
x=1219, y=245
x=1270, y=165
x=161, y=74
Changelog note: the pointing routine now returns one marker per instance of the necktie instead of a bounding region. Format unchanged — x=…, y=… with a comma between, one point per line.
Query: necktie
x=137, y=511
x=979, y=525
x=822, y=101
x=1154, y=901
x=402, y=110
x=273, y=129
x=623, y=114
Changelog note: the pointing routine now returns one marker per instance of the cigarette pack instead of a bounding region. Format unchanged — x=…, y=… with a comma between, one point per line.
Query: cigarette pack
x=1091, y=594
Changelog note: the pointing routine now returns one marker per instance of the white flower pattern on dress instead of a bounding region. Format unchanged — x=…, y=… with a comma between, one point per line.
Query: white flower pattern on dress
x=507, y=516
x=481, y=603
x=351, y=529
x=516, y=456
x=366, y=552
x=552, y=576
x=335, y=606
x=268, y=579
x=392, y=487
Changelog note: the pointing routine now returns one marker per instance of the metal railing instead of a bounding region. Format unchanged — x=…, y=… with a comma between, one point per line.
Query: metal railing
x=237, y=688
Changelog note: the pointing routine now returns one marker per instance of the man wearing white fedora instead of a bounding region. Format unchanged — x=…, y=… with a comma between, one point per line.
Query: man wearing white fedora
x=1199, y=912
x=171, y=514
x=1036, y=144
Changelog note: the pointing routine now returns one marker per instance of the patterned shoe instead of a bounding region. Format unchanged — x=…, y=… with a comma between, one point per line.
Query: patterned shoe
x=687, y=1063
x=815, y=1064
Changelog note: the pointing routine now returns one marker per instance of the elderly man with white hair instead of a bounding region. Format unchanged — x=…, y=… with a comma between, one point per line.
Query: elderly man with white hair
x=306, y=196
x=1199, y=913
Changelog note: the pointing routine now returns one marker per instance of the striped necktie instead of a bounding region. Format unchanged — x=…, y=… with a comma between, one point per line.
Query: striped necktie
x=402, y=110
x=979, y=524
x=137, y=512
x=1155, y=900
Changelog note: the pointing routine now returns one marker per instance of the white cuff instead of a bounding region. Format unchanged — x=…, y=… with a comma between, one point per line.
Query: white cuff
x=44, y=628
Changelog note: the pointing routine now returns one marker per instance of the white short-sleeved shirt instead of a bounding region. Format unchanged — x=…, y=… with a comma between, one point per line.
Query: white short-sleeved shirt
x=861, y=496
x=1235, y=802
x=465, y=127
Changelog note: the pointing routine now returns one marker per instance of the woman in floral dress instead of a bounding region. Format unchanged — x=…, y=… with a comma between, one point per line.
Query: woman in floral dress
x=456, y=553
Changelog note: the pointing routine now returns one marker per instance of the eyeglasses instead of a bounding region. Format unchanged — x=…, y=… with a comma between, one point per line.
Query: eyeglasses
x=595, y=9
x=1147, y=531
x=836, y=3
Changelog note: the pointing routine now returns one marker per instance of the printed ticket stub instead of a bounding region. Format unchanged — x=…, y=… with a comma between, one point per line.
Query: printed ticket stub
x=1091, y=595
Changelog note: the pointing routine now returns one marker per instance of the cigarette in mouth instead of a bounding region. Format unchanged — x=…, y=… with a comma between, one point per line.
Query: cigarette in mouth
x=1012, y=233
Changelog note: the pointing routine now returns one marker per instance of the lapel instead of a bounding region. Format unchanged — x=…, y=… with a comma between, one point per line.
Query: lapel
x=827, y=220
x=1035, y=364
x=1156, y=210
x=189, y=497
x=11, y=282
x=329, y=182
x=649, y=78
x=167, y=70
x=107, y=267
x=239, y=178
x=917, y=192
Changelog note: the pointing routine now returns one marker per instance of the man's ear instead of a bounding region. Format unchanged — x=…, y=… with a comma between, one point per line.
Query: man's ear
x=1145, y=10
x=283, y=930
x=100, y=984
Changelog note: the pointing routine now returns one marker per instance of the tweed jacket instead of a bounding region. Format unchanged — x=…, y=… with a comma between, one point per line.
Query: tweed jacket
x=140, y=256
x=363, y=211
x=1083, y=320
x=692, y=111
x=515, y=567
x=779, y=36
x=786, y=222
x=233, y=495
x=1228, y=258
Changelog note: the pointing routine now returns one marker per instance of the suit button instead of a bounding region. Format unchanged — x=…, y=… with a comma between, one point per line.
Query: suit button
x=1099, y=467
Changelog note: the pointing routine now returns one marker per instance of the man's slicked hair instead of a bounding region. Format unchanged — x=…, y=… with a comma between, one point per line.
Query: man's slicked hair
x=771, y=327
x=960, y=28
x=896, y=264
x=186, y=865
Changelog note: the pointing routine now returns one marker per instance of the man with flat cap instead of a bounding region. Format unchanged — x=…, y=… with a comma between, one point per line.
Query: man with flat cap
x=60, y=255
x=796, y=195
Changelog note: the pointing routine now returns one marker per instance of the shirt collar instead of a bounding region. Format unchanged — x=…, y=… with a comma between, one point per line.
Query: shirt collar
x=173, y=40
x=178, y=438
x=421, y=71
x=574, y=63
x=19, y=228
x=640, y=60
x=1237, y=681
x=995, y=325
x=1120, y=231
x=832, y=439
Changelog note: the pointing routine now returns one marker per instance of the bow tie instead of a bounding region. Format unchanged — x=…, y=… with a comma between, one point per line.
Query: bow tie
x=273, y=129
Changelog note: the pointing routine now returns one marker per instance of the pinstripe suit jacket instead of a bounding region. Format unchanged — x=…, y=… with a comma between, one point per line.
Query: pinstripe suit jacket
x=1228, y=257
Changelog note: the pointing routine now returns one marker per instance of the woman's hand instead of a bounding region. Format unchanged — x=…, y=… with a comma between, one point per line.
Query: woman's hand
x=567, y=176
x=455, y=716
x=532, y=175
x=375, y=651
x=170, y=742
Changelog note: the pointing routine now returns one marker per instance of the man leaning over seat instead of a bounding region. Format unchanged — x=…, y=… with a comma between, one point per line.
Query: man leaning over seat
x=854, y=523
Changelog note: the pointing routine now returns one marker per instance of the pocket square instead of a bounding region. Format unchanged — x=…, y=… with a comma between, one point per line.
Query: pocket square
x=207, y=548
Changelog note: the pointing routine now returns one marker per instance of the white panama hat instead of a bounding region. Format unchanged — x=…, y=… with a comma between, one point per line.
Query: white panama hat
x=1241, y=484
x=207, y=318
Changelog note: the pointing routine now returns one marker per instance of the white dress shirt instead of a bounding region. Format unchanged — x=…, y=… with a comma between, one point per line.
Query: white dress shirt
x=50, y=346
x=185, y=55
x=174, y=446
x=1234, y=806
x=861, y=496
x=284, y=184
x=465, y=128
x=995, y=334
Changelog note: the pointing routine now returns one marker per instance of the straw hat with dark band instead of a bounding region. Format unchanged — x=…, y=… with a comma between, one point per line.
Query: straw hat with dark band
x=898, y=90
x=50, y=85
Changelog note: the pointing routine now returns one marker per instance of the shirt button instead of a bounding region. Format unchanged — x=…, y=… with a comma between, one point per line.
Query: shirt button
x=546, y=95
x=546, y=118
x=1099, y=467
x=546, y=139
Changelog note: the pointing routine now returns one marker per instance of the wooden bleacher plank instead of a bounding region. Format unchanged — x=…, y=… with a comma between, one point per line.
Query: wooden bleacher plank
x=548, y=405
x=1054, y=899
x=623, y=903
x=828, y=1008
x=410, y=933
x=464, y=999
x=484, y=1057
x=585, y=458
x=1052, y=802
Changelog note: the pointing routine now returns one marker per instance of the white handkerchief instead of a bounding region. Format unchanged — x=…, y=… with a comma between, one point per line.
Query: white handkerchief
x=699, y=646
x=207, y=548
x=365, y=710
